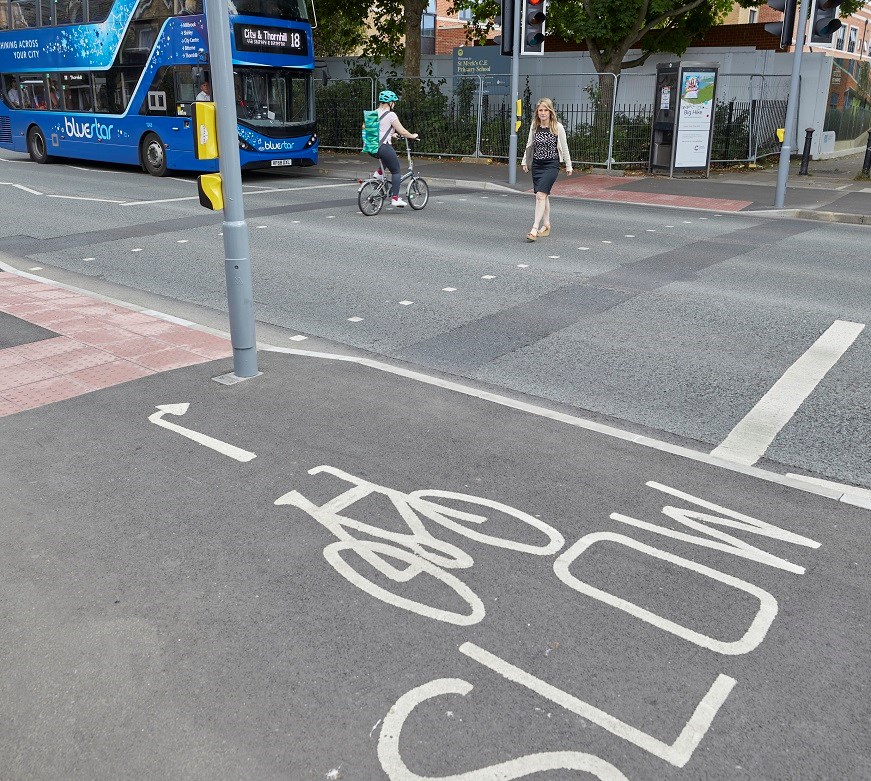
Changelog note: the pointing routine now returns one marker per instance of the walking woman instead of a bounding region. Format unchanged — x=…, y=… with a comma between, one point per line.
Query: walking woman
x=546, y=148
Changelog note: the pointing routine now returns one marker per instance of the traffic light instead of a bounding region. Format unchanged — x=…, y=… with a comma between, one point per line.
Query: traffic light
x=825, y=21
x=785, y=28
x=532, y=29
x=506, y=21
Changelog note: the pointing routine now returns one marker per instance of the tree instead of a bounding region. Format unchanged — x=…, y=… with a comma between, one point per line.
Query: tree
x=611, y=28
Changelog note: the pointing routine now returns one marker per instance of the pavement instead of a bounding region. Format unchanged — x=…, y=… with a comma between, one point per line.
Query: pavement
x=830, y=192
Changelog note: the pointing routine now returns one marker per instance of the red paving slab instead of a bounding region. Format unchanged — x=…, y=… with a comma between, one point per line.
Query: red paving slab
x=99, y=345
x=601, y=188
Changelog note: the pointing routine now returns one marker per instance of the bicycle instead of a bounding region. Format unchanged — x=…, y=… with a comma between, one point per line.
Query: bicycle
x=373, y=192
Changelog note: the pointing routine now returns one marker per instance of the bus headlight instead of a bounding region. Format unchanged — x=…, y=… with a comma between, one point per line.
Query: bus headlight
x=312, y=141
x=245, y=145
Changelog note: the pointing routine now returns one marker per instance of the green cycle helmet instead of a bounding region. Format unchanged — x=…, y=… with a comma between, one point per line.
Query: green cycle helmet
x=387, y=96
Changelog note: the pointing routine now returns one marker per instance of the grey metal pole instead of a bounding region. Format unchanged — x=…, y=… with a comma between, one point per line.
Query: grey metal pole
x=237, y=263
x=515, y=88
x=791, y=108
x=480, y=109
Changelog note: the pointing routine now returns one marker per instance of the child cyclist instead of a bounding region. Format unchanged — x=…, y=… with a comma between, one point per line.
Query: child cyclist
x=389, y=127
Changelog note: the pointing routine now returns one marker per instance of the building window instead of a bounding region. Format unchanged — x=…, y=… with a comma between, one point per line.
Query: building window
x=839, y=44
x=465, y=14
x=851, y=44
x=753, y=14
x=427, y=26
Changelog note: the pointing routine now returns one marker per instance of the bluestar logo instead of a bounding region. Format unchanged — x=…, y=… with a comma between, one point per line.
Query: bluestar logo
x=268, y=145
x=88, y=129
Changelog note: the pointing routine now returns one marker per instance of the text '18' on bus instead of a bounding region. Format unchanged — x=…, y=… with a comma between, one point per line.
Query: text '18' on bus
x=113, y=81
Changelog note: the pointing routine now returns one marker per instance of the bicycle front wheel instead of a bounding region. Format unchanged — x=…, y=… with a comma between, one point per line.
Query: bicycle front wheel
x=370, y=198
x=418, y=194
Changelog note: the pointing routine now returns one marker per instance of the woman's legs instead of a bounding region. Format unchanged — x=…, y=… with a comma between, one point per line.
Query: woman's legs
x=540, y=204
x=391, y=162
x=545, y=217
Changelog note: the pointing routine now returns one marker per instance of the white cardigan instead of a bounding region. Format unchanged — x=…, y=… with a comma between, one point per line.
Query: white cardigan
x=561, y=143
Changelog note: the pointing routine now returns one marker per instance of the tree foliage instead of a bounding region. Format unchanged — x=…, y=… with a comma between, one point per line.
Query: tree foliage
x=611, y=28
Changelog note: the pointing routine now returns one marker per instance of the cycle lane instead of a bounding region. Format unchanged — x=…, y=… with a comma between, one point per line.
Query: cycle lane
x=292, y=578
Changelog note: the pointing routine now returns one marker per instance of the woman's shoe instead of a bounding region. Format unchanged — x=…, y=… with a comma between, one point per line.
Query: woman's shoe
x=532, y=235
x=545, y=231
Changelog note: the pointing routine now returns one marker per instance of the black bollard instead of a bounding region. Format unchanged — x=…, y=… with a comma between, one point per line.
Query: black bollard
x=866, y=166
x=806, y=153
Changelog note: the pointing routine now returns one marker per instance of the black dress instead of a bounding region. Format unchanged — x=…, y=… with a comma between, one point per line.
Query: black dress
x=545, y=161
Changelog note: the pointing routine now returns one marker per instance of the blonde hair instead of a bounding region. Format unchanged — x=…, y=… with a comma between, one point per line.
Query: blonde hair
x=548, y=104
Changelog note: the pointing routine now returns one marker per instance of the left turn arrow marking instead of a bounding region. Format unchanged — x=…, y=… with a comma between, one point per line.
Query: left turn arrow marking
x=204, y=439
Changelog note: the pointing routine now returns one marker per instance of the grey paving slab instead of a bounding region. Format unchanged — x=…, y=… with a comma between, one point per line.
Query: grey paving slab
x=14, y=332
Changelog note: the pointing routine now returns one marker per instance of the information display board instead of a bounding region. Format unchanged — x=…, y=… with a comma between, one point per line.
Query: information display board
x=694, y=123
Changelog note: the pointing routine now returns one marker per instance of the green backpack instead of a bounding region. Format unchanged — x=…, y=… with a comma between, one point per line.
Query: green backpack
x=371, y=139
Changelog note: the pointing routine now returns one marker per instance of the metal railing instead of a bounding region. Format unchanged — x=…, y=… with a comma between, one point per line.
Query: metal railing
x=607, y=118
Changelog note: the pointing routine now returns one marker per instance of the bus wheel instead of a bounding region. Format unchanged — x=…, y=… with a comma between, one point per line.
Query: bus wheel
x=153, y=155
x=36, y=145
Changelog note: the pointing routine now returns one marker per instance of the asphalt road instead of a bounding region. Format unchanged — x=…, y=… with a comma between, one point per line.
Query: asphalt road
x=574, y=601
x=365, y=574
x=671, y=321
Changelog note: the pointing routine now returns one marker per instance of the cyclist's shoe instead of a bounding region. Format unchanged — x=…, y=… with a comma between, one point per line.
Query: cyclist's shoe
x=379, y=175
x=398, y=202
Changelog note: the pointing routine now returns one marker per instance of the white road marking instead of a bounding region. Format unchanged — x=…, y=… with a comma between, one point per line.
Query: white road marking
x=406, y=303
x=521, y=767
x=88, y=259
x=630, y=235
x=677, y=753
x=669, y=226
x=604, y=241
x=355, y=319
x=488, y=276
x=687, y=222
x=584, y=249
x=182, y=241
x=36, y=268
x=298, y=338
x=223, y=448
x=554, y=257
x=136, y=249
x=749, y=440
x=261, y=227
x=449, y=289
x=82, y=198
x=526, y=265
x=862, y=493
x=158, y=200
x=651, y=230
x=27, y=189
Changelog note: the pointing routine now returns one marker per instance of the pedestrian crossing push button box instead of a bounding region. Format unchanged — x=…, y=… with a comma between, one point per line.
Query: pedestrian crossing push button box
x=205, y=130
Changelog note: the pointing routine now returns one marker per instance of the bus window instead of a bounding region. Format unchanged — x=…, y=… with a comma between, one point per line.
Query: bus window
x=76, y=91
x=68, y=12
x=98, y=10
x=23, y=14
x=32, y=91
x=188, y=7
x=12, y=91
x=294, y=10
x=45, y=10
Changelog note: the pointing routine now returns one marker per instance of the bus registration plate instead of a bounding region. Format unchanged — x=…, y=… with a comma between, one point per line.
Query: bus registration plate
x=281, y=162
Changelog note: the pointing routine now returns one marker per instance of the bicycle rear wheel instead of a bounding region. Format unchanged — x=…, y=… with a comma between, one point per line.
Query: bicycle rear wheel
x=418, y=194
x=370, y=198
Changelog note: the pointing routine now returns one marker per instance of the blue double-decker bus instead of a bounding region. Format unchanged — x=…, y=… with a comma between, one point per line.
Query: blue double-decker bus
x=113, y=81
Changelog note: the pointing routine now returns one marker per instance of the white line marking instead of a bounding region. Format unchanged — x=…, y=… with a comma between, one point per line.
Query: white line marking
x=168, y=318
x=298, y=338
x=554, y=257
x=36, y=268
x=223, y=448
x=749, y=440
x=136, y=249
x=82, y=198
x=671, y=226
x=182, y=241
x=677, y=753
x=526, y=265
x=862, y=493
x=488, y=276
x=653, y=230
x=406, y=303
x=355, y=319
x=261, y=227
x=584, y=249
x=88, y=259
x=27, y=189
x=449, y=289
x=604, y=241
x=630, y=235
x=158, y=200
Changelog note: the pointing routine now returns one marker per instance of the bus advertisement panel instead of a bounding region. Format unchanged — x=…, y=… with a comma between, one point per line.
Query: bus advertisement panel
x=114, y=81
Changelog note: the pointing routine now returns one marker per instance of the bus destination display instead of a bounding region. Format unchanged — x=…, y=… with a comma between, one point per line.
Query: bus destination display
x=270, y=40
